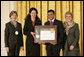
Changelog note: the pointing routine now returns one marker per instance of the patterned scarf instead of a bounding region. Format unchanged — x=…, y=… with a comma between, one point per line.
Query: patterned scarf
x=68, y=26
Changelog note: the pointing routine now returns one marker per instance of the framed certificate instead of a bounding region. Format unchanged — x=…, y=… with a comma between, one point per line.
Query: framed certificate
x=46, y=33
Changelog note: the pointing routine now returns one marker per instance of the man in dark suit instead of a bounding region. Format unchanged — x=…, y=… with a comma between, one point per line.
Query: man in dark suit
x=52, y=48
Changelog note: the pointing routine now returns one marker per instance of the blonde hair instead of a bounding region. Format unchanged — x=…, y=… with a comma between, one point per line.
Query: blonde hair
x=68, y=12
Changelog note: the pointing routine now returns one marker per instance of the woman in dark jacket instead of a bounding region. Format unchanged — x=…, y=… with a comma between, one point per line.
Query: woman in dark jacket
x=13, y=35
x=72, y=32
x=32, y=20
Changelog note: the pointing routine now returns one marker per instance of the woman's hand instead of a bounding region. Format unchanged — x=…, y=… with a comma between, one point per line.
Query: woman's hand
x=22, y=48
x=7, y=49
x=71, y=47
x=33, y=34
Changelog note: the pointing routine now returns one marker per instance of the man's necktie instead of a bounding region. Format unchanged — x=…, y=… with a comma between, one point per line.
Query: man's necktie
x=51, y=23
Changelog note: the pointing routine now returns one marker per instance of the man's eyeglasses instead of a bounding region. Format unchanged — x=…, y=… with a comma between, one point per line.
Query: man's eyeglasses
x=50, y=14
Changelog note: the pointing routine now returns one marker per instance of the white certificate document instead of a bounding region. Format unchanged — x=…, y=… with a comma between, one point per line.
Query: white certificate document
x=47, y=35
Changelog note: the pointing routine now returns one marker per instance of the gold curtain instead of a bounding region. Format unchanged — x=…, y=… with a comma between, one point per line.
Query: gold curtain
x=60, y=8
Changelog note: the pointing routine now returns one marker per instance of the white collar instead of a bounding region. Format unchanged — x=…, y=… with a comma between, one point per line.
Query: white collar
x=53, y=20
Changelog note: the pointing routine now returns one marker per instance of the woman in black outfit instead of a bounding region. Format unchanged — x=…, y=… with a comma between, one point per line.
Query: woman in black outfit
x=13, y=35
x=32, y=20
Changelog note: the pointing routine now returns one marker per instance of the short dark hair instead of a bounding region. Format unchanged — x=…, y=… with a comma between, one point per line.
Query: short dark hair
x=33, y=9
x=51, y=11
x=12, y=12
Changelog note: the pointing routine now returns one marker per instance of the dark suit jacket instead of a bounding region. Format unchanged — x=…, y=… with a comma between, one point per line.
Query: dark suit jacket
x=60, y=33
x=10, y=37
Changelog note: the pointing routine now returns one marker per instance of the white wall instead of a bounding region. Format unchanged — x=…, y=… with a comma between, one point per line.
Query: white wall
x=6, y=7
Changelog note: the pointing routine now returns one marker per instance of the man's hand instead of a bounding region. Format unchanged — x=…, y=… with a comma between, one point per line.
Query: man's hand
x=41, y=42
x=53, y=43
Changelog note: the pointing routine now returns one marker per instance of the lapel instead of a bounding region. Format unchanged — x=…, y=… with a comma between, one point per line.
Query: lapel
x=32, y=23
x=15, y=28
x=12, y=25
x=36, y=22
x=55, y=22
x=48, y=23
